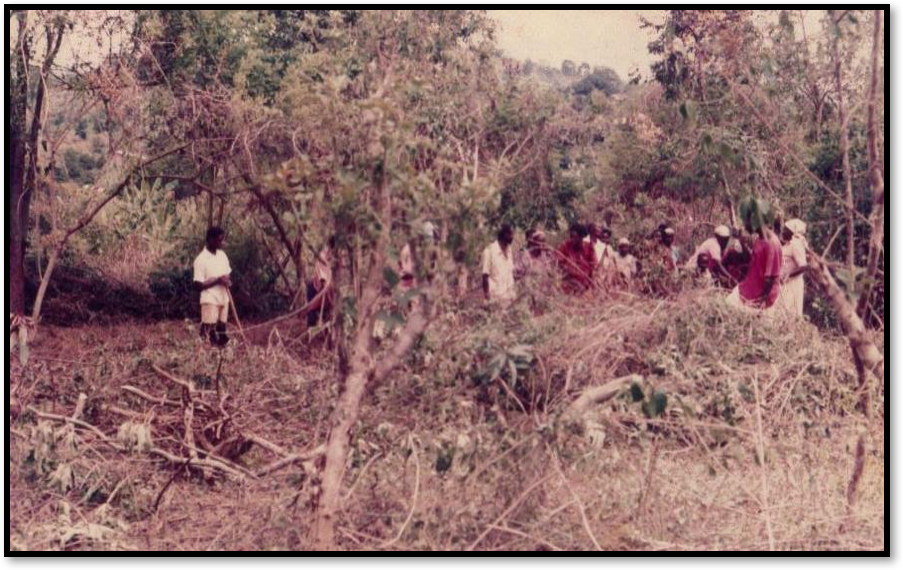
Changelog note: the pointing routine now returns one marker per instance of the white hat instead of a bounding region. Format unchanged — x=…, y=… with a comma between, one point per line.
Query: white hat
x=428, y=229
x=723, y=231
x=623, y=241
x=797, y=226
x=669, y=231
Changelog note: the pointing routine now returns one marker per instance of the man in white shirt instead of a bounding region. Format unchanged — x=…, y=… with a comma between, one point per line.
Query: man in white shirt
x=498, y=268
x=625, y=263
x=715, y=248
x=212, y=279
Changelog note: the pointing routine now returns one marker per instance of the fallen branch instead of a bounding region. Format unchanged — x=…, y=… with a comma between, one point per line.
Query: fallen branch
x=161, y=400
x=288, y=460
x=865, y=354
x=599, y=395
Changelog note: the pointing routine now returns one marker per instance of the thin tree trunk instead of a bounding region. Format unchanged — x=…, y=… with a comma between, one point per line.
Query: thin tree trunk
x=845, y=156
x=866, y=356
x=19, y=198
x=876, y=177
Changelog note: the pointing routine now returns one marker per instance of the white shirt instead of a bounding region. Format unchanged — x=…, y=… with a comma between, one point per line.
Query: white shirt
x=710, y=246
x=605, y=254
x=626, y=265
x=406, y=261
x=500, y=269
x=209, y=266
x=794, y=257
x=323, y=269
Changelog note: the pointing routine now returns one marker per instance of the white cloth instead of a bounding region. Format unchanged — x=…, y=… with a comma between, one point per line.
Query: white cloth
x=499, y=266
x=736, y=301
x=406, y=261
x=605, y=254
x=792, y=295
x=210, y=266
x=710, y=246
x=323, y=269
x=626, y=266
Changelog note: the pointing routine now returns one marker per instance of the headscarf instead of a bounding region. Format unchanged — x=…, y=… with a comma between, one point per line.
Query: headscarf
x=798, y=227
x=723, y=231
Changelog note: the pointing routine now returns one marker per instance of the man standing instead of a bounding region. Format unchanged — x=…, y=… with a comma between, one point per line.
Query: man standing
x=498, y=268
x=670, y=253
x=533, y=261
x=761, y=287
x=212, y=278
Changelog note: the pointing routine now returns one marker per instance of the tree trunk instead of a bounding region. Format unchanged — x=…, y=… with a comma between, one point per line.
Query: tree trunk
x=19, y=199
x=845, y=156
x=866, y=356
x=876, y=177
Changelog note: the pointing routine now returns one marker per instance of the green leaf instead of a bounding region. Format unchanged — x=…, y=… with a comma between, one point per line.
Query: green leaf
x=755, y=212
x=655, y=405
x=636, y=392
x=391, y=276
x=727, y=153
x=689, y=110
x=445, y=459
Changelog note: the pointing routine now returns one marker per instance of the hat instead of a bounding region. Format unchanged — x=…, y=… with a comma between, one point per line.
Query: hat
x=669, y=231
x=797, y=226
x=723, y=231
x=623, y=241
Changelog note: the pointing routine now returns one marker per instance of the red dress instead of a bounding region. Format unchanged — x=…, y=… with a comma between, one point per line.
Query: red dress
x=577, y=264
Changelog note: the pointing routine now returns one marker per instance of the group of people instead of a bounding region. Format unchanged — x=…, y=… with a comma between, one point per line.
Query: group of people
x=763, y=270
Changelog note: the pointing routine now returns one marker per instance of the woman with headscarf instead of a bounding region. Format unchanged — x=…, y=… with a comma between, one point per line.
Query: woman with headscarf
x=793, y=286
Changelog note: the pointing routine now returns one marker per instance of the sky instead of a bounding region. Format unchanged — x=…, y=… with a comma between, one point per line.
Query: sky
x=612, y=38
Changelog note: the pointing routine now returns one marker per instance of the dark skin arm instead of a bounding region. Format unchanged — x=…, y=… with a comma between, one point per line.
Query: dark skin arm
x=225, y=281
x=721, y=273
x=766, y=289
x=798, y=271
x=486, y=286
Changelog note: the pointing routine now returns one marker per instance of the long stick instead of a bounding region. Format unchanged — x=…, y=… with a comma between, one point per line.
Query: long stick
x=235, y=312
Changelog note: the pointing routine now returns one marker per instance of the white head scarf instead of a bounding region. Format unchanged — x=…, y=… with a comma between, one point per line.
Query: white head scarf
x=798, y=227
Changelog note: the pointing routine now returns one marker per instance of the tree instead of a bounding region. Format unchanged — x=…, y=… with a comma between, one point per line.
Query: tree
x=568, y=68
x=24, y=138
x=431, y=129
x=602, y=79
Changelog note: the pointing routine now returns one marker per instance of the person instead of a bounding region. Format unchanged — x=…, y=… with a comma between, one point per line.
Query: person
x=577, y=261
x=212, y=278
x=498, y=268
x=761, y=286
x=717, y=249
x=320, y=310
x=534, y=260
x=793, y=287
x=626, y=264
x=599, y=237
x=532, y=270
x=670, y=253
x=702, y=277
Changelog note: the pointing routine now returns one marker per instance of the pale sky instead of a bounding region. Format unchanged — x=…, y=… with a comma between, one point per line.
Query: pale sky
x=612, y=38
